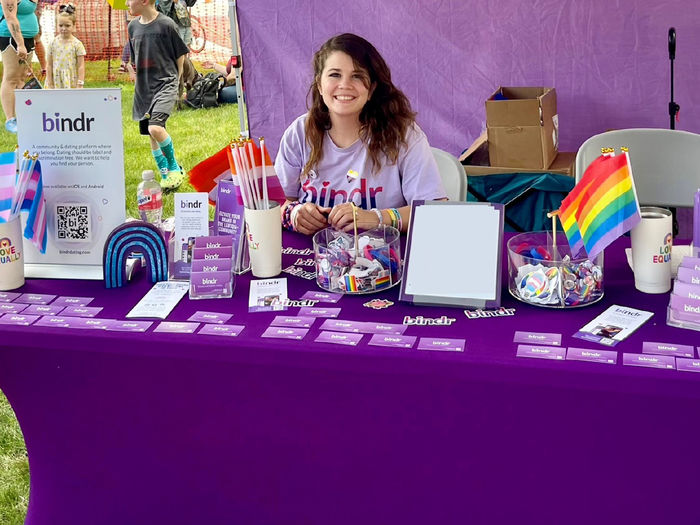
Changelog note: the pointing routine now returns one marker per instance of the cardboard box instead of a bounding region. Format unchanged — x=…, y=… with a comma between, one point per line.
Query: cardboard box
x=523, y=127
x=476, y=162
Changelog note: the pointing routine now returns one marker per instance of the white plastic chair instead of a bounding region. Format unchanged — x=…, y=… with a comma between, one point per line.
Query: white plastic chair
x=665, y=163
x=454, y=178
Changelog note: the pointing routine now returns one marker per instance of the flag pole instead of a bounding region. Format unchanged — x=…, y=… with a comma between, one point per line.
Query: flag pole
x=553, y=215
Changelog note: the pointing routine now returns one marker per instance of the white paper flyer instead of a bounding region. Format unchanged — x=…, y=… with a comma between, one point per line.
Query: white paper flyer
x=160, y=300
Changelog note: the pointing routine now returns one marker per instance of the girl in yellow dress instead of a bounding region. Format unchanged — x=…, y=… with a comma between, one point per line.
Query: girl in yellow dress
x=66, y=56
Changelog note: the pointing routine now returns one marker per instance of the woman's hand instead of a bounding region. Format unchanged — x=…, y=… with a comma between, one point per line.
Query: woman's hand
x=21, y=52
x=341, y=218
x=309, y=218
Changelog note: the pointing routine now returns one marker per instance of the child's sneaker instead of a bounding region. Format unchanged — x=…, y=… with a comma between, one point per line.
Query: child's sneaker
x=172, y=180
x=11, y=125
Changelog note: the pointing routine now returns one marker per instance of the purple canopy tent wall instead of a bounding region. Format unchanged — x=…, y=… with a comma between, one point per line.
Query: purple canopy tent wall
x=607, y=60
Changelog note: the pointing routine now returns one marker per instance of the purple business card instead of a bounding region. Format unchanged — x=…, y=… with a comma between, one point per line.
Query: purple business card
x=213, y=254
x=608, y=357
x=210, y=317
x=85, y=322
x=691, y=262
x=651, y=361
x=221, y=265
x=18, y=319
x=690, y=307
x=72, y=301
x=313, y=311
x=339, y=338
x=12, y=308
x=687, y=275
x=231, y=330
x=8, y=297
x=438, y=343
x=687, y=365
x=81, y=311
x=539, y=338
x=340, y=325
x=54, y=320
x=384, y=328
x=36, y=298
x=322, y=297
x=393, y=340
x=668, y=349
x=118, y=325
x=213, y=241
x=686, y=290
x=282, y=332
x=42, y=309
x=541, y=352
x=293, y=320
x=176, y=327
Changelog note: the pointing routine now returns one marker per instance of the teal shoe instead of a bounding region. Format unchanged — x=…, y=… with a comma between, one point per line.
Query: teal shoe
x=11, y=125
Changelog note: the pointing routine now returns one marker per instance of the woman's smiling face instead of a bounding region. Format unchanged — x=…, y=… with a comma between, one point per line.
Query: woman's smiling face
x=344, y=88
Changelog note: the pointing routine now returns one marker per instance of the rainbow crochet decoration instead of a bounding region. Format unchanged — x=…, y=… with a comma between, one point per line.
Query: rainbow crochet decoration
x=601, y=207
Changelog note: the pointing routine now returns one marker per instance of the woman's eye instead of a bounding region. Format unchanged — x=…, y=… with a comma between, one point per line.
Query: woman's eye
x=334, y=75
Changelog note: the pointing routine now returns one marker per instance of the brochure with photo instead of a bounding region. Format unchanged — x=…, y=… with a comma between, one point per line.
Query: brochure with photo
x=613, y=325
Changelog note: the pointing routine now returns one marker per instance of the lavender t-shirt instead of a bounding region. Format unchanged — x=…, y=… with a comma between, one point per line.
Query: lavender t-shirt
x=346, y=173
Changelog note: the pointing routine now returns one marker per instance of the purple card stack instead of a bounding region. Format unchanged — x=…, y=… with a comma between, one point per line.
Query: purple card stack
x=684, y=306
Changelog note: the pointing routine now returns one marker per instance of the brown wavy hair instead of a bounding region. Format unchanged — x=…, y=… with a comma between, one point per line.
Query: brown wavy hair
x=384, y=120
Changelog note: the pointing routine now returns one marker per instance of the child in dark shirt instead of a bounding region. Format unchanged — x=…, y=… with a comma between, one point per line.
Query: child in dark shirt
x=158, y=53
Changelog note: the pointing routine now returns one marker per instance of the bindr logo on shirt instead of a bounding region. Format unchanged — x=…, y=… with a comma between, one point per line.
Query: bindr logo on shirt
x=319, y=193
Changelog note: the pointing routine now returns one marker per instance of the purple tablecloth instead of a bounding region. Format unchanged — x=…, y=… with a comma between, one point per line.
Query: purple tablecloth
x=153, y=428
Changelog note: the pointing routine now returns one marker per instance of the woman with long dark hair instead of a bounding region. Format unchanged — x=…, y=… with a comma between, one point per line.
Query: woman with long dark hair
x=358, y=152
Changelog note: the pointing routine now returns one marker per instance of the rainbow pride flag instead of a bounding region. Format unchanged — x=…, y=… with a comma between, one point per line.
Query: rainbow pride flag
x=601, y=207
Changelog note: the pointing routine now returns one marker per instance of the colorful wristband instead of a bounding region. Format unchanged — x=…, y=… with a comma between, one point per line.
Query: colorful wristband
x=287, y=222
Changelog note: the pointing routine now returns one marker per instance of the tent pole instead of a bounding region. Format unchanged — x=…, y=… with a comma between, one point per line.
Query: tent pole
x=236, y=52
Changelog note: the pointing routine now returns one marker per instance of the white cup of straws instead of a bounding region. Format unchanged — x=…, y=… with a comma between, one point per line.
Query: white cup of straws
x=11, y=255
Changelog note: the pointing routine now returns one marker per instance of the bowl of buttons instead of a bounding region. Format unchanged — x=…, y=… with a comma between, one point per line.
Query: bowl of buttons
x=367, y=263
x=544, y=273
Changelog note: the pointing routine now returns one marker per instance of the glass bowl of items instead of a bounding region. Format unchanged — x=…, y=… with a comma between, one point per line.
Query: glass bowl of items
x=358, y=264
x=544, y=273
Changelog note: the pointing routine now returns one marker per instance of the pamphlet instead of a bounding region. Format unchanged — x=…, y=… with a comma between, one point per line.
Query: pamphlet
x=613, y=325
x=160, y=300
x=267, y=295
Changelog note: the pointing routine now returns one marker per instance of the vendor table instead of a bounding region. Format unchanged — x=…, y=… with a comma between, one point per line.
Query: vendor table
x=157, y=428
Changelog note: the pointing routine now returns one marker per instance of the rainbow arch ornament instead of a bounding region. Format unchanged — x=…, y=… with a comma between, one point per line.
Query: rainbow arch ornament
x=134, y=236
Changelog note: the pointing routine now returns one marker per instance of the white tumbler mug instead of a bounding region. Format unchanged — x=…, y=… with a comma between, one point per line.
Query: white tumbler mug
x=11, y=255
x=652, y=241
x=264, y=234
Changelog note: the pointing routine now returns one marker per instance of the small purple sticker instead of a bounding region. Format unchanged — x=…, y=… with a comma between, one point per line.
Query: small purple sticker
x=340, y=338
x=8, y=297
x=340, y=325
x=281, y=332
x=231, y=330
x=437, y=343
x=652, y=361
x=293, y=320
x=384, y=328
x=175, y=327
x=18, y=319
x=128, y=326
x=12, y=308
x=312, y=311
x=81, y=311
x=54, y=320
x=393, y=340
x=43, y=309
x=538, y=338
x=210, y=317
x=594, y=356
x=687, y=365
x=72, y=301
x=36, y=298
x=668, y=349
x=541, y=352
x=322, y=297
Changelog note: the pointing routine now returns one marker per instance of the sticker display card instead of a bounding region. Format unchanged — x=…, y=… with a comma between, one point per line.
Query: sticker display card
x=230, y=330
x=175, y=327
x=160, y=300
x=340, y=325
x=128, y=326
x=54, y=320
x=613, y=325
x=319, y=311
x=442, y=344
x=608, y=357
x=649, y=347
x=267, y=295
x=35, y=298
x=81, y=311
x=12, y=308
x=298, y=321
x=322, y=297
x=687, y=365
x=210, y=317
x=650, y=361
x=393, y=340
x=537, y=338
x=72, y=301
x=42, y=309
x=339, y=338
x=282, y=332
x=8, y=297
x=18, y=319
x=556, y=353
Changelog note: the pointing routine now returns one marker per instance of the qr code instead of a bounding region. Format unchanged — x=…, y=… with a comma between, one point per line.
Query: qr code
x=73, y=222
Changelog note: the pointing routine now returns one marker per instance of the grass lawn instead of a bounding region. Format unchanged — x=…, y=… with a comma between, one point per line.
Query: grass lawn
x=197, y=134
